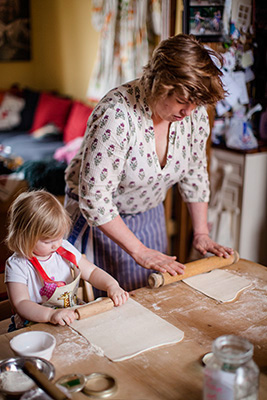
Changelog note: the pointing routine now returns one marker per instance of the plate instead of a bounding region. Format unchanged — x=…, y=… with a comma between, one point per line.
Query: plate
x=15, y=364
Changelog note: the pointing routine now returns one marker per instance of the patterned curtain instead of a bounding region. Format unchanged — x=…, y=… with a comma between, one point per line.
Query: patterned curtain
x=129, y=30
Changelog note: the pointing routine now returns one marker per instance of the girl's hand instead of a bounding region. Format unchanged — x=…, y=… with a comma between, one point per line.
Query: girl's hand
x=62, y=316
x=203, y=243
x=117, y=294
x=153, y=259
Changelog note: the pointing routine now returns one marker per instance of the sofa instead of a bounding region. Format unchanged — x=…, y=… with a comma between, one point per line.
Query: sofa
x=39, y=134
x=41, y=131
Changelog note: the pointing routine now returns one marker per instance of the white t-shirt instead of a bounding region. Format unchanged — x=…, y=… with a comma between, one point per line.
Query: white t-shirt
x=20, y=269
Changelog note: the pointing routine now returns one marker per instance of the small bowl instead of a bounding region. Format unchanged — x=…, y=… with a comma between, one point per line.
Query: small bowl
x=34, y=344
x=14, y=365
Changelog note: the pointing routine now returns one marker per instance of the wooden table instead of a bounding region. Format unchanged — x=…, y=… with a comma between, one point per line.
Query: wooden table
x=173, y=371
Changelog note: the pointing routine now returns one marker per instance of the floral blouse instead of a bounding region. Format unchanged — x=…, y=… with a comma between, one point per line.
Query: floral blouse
x=117, y=170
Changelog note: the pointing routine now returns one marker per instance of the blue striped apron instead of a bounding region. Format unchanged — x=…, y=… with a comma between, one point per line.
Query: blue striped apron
x=149, y=227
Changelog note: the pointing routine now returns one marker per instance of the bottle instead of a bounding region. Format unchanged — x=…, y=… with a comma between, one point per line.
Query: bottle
x=231, y=373
x=9, y=160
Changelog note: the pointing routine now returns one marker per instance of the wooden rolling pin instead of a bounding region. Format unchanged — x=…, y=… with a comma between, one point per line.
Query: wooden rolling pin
x=43, y=382
x=96, y=307
x=193, y=268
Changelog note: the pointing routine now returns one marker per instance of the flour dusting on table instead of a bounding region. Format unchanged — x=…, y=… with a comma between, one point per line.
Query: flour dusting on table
x=74, y=348
x=155, y=306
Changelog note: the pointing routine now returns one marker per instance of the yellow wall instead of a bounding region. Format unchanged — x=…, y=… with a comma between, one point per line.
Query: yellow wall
x=64, y=47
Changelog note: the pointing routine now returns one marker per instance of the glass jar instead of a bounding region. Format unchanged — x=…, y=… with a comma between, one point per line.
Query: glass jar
x=231, y=373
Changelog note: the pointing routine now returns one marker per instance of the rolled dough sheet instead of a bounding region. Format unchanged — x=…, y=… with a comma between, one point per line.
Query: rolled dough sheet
x=218, y=284
x=128, y=330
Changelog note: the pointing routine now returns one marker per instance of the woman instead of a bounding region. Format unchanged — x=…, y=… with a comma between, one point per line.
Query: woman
x=142, y=138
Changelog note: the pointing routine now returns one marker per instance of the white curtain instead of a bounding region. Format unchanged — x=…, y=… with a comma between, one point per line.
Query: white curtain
x=127, y=30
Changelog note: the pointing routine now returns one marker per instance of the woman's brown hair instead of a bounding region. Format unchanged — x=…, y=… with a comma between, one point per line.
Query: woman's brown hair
x=183, y=67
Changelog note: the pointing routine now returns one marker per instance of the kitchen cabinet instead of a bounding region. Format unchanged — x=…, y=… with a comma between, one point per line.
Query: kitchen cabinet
x=245, y=194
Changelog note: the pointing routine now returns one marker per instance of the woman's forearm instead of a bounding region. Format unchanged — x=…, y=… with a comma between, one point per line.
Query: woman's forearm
x=118, y=231
x=199, y=217
x=148, y=258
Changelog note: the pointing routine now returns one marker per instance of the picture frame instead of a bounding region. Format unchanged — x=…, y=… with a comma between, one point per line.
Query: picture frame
x=204, y=19
x=15, y=31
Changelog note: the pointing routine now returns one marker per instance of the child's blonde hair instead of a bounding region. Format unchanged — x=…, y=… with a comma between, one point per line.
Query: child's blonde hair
x=35, y=215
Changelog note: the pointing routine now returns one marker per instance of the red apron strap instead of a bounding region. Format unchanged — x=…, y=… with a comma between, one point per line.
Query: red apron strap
x=42, y=272
x=63, y=253
x=67, y=255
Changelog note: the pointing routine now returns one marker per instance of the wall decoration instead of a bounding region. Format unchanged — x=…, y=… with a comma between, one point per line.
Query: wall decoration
x=129, y=31
x=15, y=30
x=204, y=19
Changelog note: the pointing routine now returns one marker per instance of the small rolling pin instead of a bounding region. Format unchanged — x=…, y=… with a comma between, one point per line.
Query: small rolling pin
x=193, y=268
x=43, y=382
x=96, y=307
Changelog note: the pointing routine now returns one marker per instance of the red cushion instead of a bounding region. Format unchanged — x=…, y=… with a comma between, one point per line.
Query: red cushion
x=76, y=124
x=2, y=95
x=49, y=109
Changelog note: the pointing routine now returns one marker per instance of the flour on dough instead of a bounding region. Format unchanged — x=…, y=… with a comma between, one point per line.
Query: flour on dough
x=128, y=330
x=218, y=284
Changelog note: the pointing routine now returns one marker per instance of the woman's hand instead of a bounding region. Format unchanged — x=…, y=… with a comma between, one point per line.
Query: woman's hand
x=203, y=243
x=148, y=258
x=62, y=316
x=117, y=294
x=153, y=259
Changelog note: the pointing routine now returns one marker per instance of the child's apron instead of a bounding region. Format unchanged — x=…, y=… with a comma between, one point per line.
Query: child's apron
x=59, y=294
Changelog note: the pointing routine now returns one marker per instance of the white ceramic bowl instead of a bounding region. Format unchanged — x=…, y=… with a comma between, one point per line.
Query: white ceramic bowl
x=34, y=344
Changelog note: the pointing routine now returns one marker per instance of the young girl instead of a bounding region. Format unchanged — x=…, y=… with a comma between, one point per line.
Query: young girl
x=44, y=271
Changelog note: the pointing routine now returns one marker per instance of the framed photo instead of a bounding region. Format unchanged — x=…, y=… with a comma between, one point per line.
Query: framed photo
x=204, y=19
x=15, y=30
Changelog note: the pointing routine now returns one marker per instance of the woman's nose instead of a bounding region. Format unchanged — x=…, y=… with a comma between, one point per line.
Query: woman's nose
x=188, y=109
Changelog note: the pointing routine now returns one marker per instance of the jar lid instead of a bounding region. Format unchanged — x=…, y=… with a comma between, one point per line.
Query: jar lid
x=205, y=359
x=72, y=382
x=100, y=385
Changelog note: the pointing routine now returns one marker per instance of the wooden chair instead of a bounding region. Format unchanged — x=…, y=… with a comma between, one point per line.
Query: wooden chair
x=5, y=309
x=85, y=291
